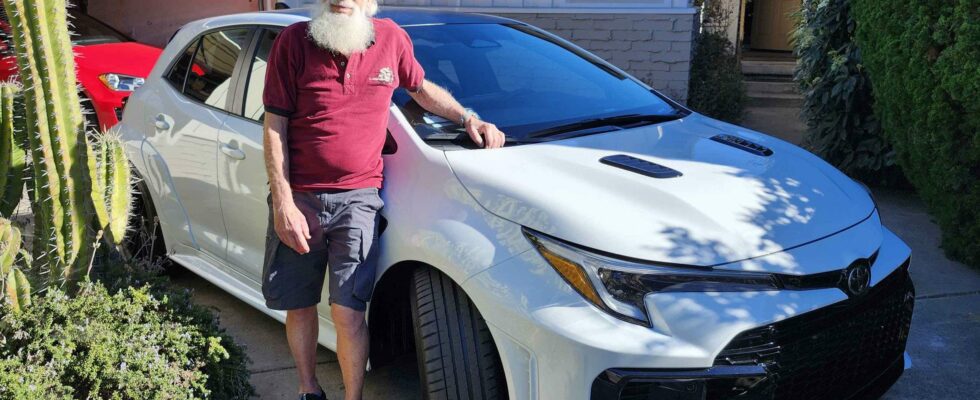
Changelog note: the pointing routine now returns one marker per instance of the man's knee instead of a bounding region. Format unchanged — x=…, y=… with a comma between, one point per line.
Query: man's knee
x=302, y=314
x=346, y=318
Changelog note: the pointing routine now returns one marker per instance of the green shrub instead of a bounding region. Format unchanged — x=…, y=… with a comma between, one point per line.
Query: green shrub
x=128, y=345
x=717, y=87
x=837, y=94
x=924, y=60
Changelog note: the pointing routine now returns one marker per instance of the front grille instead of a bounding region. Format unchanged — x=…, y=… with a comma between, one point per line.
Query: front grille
x=830, y=353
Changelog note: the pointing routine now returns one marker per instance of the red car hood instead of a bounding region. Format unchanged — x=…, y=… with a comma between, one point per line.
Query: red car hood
x=127, y=58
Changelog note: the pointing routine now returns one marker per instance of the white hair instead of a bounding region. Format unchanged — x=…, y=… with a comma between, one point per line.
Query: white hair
x=345, y=34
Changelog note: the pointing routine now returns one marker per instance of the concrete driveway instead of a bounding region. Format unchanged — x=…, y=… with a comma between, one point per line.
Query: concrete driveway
x=944, y=343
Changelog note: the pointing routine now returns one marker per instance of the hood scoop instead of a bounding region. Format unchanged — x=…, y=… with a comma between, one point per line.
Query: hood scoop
x=639, y=166
x=743, y=144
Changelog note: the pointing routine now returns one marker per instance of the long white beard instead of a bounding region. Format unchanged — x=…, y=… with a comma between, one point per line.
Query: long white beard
x=345, y=34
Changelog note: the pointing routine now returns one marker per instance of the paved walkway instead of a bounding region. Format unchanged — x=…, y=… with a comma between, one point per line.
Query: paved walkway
x=273, y=374
x=944, y=343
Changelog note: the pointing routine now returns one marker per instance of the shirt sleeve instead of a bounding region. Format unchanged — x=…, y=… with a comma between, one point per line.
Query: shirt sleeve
x=410, y=72
x=279, y=95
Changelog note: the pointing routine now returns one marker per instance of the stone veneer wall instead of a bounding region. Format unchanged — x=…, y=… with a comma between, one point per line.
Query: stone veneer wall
x=655, y=48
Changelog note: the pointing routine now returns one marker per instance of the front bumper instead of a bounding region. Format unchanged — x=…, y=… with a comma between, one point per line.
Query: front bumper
x=554, y=345
x=852, y=349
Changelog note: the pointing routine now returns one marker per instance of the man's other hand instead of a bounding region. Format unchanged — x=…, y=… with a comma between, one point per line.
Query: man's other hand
x=485, y=134
x=291, y=226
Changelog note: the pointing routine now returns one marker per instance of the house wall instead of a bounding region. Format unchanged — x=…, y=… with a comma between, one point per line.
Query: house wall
x=655, y=48
x=154, y=22
x=650, y=39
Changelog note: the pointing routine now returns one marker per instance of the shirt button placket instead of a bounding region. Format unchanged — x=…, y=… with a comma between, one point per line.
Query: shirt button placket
x=348, y=81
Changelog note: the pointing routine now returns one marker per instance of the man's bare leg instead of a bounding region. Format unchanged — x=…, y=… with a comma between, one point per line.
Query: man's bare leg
x=352, y=348
x=302, y=329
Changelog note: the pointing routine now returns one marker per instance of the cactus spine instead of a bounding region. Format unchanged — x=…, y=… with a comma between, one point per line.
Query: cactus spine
x=13, y=161
x=70, y=190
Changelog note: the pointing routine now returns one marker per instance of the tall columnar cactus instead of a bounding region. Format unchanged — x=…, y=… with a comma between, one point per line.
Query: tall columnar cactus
x=13, y=162
x=68, y=203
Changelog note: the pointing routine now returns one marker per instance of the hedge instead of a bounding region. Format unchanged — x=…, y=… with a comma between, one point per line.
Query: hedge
x=837, y=94
x=924, y=60
x=717, y=87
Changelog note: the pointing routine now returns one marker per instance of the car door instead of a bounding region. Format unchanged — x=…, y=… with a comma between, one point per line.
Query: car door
x=241, y=165
x=185, y=130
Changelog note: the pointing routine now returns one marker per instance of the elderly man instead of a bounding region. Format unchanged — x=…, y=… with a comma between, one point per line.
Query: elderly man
x=328, y=88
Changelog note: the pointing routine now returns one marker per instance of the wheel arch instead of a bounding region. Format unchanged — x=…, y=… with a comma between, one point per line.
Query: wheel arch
x=390, y=314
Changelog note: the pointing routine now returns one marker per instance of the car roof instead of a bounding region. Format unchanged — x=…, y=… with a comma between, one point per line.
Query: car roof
x=402, y=16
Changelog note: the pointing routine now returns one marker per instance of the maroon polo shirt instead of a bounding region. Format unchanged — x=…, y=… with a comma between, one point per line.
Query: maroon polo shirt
x=337, y=106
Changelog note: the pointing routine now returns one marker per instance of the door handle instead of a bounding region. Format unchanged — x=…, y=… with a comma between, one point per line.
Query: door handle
x=232, y=152
x=161, y=122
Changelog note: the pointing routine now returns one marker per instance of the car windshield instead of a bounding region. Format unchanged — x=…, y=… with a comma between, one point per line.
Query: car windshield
x=85, y=31
x=523, y=81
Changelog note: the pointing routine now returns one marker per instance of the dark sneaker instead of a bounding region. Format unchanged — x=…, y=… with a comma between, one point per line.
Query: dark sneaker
x=314, y=396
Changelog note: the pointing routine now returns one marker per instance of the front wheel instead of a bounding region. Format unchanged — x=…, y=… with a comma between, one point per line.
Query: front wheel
x=457, y=357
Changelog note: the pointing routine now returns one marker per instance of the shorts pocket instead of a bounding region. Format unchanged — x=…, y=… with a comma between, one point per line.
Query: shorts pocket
x=364, y=274
x=270, y=285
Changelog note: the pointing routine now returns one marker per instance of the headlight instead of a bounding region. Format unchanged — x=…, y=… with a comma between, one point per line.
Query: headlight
x=122, y=83
x=619, y=286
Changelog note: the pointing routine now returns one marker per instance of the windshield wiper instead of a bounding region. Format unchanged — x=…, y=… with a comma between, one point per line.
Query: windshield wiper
x=462, y=139
x=616, y=121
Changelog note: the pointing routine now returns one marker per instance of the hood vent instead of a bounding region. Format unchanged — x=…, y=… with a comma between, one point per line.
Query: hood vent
x=743, y=144
x=639, y=166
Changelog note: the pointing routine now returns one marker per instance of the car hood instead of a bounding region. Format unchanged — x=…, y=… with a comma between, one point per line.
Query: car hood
x=127, y=58
x=728, y=205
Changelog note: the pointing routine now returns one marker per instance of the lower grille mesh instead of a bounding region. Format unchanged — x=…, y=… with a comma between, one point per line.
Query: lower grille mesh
x=829, y=353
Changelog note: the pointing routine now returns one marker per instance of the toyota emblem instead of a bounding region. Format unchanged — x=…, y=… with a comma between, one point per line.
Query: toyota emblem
x=858, y=278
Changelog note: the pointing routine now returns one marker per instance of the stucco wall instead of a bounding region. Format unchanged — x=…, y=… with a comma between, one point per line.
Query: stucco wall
x=155, y=21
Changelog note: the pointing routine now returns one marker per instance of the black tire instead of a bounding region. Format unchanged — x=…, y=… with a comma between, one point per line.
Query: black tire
x=457, y=357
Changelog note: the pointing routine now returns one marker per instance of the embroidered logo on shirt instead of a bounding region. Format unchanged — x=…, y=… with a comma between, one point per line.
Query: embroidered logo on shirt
x=385, y=76
x=272, y=275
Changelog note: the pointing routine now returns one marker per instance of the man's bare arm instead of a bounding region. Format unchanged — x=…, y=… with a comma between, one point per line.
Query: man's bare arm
x=290, y=224
x=440, y=102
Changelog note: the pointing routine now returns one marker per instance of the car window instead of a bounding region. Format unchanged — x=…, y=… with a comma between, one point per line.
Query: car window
x=254, y=109
x=520, y=79
x=178, y=71
x=209, y=78
x=88, y=31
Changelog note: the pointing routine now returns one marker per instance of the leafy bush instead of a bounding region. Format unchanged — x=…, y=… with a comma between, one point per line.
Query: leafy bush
x=133, y=344
x=924, y=60
x=838, y=101
x=717, y=87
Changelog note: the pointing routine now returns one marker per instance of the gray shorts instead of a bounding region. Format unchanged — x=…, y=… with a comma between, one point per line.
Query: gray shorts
x=344, y=227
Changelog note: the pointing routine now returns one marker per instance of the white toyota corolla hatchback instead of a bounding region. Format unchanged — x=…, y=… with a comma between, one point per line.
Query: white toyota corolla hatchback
x=620, y=246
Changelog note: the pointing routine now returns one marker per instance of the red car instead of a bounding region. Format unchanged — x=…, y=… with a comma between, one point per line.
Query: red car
x=110, y=65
